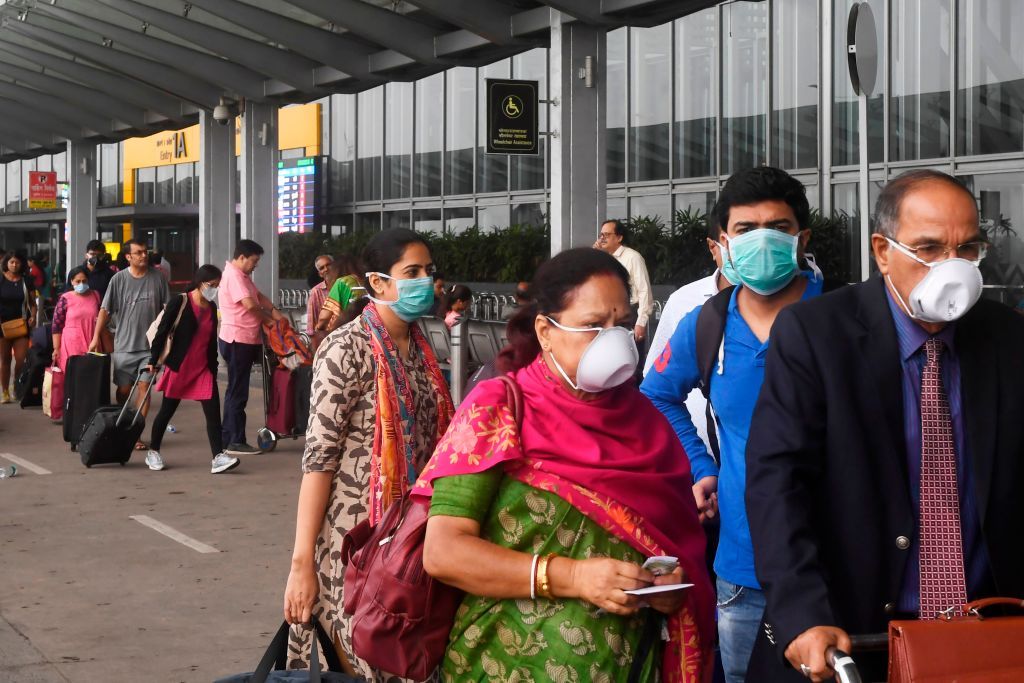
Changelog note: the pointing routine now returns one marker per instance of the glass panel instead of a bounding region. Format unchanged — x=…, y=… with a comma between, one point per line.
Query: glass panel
x=812, y=196
x=60, y=165
x=458, y=219
x=744, y=84
x=696, y=94
x=398, y=139
x=26, y=166
x=429, y=136
x=836, y=245
x=426, y=220
x=528, y=171
x=491, y=169
x=14, y=185
x=650, y=78
x=44, y=163
x=655, y=206
x=695, y=202
x=492, y=216
x=183, y=180
x=164, y=185
x=145, y=179
x=990, y=94
x=921, y=59
x=294, y=153
x=795, y=84
x=528, y=214
x=368, y=222
x=396, y=219
x=616, y=208
x=461, y=126
x=1001, y=197
x=845, y=138
x=615, y=98
x=343, y=148
x=370, y=149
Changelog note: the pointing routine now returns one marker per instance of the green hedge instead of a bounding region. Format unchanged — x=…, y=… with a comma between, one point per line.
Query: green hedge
x=676, y=253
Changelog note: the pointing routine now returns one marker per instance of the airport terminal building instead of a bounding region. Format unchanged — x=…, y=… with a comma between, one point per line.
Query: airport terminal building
x=680, y=95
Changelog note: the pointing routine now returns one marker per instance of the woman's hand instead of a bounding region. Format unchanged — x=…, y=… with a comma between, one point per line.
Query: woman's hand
x=56, y=355
x=668, y=603
x=602, y=582
x=300, y=594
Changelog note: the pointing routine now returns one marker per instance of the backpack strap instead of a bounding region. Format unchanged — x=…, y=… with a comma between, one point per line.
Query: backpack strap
x=709, y=337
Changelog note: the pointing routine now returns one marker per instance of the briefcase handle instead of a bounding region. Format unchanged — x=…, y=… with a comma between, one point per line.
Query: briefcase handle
x=974, y=608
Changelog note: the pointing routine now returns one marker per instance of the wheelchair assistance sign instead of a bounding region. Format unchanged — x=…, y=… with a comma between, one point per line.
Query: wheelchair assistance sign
x=512, y=117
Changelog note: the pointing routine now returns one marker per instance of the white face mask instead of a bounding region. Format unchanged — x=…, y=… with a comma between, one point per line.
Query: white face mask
x=210, y=293
x=607, y=362
x=947, y=292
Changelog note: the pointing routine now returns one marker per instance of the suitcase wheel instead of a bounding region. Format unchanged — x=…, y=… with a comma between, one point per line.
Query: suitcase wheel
x=266, y=440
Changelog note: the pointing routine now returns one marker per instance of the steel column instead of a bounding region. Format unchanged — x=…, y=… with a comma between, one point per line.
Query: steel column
x=259, y=162
x=217, y=198
x=81, y=214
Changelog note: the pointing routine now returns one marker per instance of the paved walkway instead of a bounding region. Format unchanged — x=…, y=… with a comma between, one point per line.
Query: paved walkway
x=93, y=589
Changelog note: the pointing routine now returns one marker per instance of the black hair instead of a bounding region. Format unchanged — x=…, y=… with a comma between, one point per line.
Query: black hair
x=20, y=259
x=247, y=248
x=385, y=249
x=205, y=273
x=553, y=289
x=75, y=271
x=890, y=200
x=439, y=276
x=155, y=258
x=760, y=184
x=453, y=294
x=126, y=248
x=96, y=245
x=618, y=226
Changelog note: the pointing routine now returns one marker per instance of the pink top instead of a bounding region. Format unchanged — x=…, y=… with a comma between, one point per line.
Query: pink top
x=78, y=325
x=193, y=380
x=236, y=323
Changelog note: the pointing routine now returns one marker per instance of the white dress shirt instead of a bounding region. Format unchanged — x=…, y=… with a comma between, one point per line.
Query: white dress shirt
x=682, y=301
x=639, y=283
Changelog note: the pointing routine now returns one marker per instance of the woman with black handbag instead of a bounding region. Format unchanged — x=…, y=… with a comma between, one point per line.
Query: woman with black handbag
x=17, y=309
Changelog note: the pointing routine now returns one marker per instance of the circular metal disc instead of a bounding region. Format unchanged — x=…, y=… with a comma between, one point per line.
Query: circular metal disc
x=862, y=49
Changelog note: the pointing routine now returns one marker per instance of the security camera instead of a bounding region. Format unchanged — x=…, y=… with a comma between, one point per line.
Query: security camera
x=222, y=114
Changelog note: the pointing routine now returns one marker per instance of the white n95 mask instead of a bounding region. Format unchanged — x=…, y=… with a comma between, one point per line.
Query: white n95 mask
x=609, y=360
x=947, y=292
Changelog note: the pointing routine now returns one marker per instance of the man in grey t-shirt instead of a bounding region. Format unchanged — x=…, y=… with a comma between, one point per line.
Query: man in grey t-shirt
x=134, y=299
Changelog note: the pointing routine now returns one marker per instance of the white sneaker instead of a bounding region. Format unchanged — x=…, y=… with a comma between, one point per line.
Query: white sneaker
x=154, y=461
x=222, y=463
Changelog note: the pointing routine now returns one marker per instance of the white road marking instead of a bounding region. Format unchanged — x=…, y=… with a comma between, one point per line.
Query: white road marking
x=21, y=462
x=173, y=534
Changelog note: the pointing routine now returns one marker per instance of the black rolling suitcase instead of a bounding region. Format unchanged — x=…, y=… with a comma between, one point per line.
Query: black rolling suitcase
x=111, y=432
x=29, y=385
x=303, y=391
x=86, y=388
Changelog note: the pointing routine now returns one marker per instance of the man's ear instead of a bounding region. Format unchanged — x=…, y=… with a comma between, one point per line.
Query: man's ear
x=881, y=248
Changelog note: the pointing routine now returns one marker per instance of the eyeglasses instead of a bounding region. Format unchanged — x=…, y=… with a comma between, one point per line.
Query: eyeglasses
x=931, y=253
x=139, y=253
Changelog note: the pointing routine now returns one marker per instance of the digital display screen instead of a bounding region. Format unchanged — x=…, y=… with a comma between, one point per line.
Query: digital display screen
x=297, y=182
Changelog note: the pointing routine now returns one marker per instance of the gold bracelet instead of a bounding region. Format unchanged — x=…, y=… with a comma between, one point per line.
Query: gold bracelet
x=543, y=583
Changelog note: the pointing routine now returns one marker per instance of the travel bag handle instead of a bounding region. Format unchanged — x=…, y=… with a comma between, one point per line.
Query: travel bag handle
x=974, y=608
x=277, y=654
x=127, y=401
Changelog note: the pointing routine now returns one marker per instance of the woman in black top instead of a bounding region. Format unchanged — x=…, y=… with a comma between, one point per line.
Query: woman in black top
x=17, y=301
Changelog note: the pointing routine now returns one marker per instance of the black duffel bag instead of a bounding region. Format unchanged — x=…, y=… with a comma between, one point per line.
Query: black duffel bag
x=271, y=668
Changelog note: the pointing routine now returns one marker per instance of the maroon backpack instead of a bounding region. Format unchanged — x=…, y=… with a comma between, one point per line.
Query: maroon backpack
x=401, y=617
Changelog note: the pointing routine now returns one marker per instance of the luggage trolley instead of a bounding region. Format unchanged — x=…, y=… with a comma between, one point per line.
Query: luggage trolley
x=266, y=437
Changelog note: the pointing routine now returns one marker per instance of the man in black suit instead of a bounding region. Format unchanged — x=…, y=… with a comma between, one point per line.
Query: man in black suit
x=889, y=429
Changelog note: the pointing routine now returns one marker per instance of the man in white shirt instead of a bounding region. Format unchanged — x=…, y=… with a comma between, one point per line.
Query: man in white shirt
x=682, y=301
x=610, y=239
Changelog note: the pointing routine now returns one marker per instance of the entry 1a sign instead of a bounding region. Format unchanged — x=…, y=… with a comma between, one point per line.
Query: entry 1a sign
x=512, y=117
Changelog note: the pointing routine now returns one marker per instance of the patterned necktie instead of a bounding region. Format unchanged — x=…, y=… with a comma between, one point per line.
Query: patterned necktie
x=942, y=556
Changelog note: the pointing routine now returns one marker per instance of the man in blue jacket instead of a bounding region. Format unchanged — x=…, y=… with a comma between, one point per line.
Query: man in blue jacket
x=764, y=217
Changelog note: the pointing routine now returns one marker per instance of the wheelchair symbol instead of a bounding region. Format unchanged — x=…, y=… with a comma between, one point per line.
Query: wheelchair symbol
x=512, y=106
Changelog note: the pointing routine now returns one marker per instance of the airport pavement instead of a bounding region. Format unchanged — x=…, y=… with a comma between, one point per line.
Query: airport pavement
x=91, y=591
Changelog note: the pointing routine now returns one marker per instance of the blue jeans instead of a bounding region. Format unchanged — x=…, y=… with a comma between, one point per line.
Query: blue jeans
x=240, y=359
x=740, y=610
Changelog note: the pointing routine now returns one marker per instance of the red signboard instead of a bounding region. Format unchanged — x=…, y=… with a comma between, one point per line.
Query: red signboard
x=42, y=190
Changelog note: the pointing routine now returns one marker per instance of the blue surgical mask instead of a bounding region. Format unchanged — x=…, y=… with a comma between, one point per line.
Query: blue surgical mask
x=415, y=297
x=82, y=288
x=765, y=260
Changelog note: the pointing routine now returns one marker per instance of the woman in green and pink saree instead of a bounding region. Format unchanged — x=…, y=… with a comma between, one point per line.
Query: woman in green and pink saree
x=546, y=524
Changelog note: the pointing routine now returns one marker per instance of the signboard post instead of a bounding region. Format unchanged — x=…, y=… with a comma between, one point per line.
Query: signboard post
x=42, y=189
x=512, y=117
x=297, y=196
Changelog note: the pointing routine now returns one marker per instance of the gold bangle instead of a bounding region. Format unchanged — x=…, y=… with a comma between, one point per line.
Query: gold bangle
x=543, y=583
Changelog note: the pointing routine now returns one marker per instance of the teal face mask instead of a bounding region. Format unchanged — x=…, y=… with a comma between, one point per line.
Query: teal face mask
x=415, y=297
x=764, y=260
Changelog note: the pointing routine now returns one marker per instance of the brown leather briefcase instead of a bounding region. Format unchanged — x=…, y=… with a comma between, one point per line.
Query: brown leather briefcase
x=970, y=649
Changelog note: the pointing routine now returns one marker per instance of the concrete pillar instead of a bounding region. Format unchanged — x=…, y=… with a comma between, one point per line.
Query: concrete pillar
x=217, y=198
x=578, y=148
x=259, y=166
x=81, y=200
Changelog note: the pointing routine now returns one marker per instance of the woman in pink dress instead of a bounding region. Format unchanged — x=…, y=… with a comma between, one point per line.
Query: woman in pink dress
x=74, y=319
x=190, y=368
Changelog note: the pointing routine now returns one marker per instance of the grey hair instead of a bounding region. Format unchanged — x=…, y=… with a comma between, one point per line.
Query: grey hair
x=887, y=210
x=326, y=256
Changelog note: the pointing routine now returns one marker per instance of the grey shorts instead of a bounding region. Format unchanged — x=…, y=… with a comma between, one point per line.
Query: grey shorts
x=127, y=366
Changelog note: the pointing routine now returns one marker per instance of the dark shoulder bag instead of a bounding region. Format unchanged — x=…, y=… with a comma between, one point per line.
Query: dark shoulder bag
x=401, y=617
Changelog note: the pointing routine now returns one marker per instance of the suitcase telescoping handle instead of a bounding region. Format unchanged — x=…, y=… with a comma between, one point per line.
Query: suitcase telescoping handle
x=842, y=664
x=127, y=401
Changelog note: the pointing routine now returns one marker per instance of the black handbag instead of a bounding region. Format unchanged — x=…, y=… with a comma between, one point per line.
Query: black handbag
x=271, y=668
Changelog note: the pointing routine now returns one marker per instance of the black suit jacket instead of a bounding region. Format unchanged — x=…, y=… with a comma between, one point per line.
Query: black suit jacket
x=183, y=335
x=828, y=497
